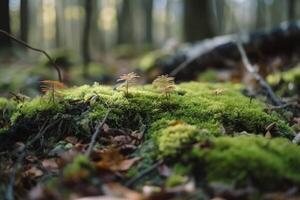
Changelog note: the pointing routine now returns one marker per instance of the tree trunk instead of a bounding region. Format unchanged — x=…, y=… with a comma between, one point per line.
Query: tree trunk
x=196, y=20
x=5, y=42
x=125, y=23
x=24, y=20
x=148, y=7
x=86, y=57
x=291, y=10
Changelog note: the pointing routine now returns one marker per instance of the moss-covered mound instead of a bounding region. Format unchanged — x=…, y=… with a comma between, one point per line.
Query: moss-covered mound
x=6, y=109
x=265, y=163
x=219, y=108
x=196, y=126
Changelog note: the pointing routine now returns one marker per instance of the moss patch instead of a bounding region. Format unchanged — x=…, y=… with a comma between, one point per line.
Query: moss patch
x=266, y=163
x=206, y=106
x=7, y=107
x=33, y=108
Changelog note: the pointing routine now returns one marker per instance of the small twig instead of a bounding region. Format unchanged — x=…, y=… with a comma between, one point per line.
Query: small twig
x=143, y=173
x=283, y=106
x=56, y=67
x=96, y=133
x=249, y=67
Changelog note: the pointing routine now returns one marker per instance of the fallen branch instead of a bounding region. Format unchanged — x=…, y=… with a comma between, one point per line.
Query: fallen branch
x=264, y=85
x=143, y=173
x=202, y=49
x=96, y=133
x=56, y=67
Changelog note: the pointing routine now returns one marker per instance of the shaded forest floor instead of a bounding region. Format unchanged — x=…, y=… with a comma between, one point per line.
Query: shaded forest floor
x=199, y=140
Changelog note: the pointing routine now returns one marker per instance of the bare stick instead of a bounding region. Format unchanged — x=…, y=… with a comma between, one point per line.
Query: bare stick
x=56, y=67
x=96, y=133
x=249, y=67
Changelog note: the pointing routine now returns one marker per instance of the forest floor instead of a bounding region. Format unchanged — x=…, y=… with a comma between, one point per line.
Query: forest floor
x=194, y=140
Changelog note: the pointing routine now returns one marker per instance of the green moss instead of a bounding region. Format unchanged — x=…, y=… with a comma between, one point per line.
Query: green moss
x=29, y=109
x=286, y=83
x=197, y=104
x=7, y=107
x=175, y=180
x=80, y=168
x=208, y=76
x=204, y=106
x=173, y=138
x=267, y=163
x=6, y=104
x=288, y=76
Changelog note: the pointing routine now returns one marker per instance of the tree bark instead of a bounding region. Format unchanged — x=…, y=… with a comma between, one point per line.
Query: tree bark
x=86, y=57
x=291, y=10
x=197, y=20
x=148, y=8
x=24, y=20
x=5, y=42
x=125, y=23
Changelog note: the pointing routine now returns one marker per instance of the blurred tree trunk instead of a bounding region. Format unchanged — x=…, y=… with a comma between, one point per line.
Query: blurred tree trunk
x=148, y=7
x=125, y=22
x=197, y=20
x=291, y=10
x=4, y=23
x=24, y=20
x=86, y=57
x=57, y=29
x=261, y=14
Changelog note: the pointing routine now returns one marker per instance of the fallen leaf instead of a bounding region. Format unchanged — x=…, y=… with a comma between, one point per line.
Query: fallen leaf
x=33, y=172
x=117, y=190
x=111, y=159
x=71, y=139
x=50, y=164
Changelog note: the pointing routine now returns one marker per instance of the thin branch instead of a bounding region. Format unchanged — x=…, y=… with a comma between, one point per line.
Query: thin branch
x=56, y=67
x=250, y=68
x=96, y=133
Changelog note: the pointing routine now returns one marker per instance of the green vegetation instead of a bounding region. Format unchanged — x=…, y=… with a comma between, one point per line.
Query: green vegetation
x=267, y=163
x=194, y=103
x=7, y=107
x=197, y=124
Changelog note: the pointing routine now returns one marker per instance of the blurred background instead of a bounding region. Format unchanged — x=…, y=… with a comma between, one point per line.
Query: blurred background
x=93, y=39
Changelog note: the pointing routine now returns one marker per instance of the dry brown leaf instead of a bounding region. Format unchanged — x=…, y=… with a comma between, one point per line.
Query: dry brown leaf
x=33, y=172
x=111, y=159
x=117, y=190
x=71, y=139
x=50, y=164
